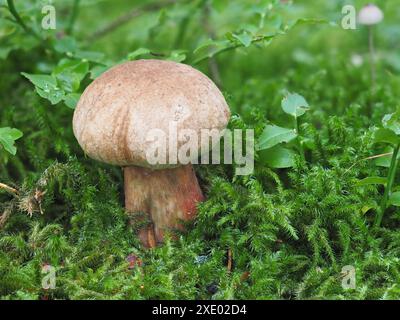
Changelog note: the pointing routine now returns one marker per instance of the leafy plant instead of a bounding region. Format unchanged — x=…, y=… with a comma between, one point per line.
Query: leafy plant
x=273, y=138
x=8, y=136
x=388, y=134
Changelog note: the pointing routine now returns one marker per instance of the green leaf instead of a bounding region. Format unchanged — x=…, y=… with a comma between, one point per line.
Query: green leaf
x=46, y=86
x=372, y=180
x=310, y=21
x=273, y=135
x=93, y=56
x=138, y=52
x=277, y=157
x=394, y=199
x=244, y=38
x=211, y=48
x=177, y=55
x=384, y=161
x=70, y=73
x=42, y=81
x=66, y=44
x=97, y=71
x=392, y=122
x=386, y=135
x=8, y=136
x=4, y=52
x=71, y=100
x=295, y=105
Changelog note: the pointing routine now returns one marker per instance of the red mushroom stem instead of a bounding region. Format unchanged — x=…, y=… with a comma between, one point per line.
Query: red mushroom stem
x=167, y=196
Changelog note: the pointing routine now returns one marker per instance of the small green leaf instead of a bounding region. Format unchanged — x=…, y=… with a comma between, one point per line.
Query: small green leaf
x=386, y=135
x=97, y=71
x=244, y=38
x=211, y=48
x=372, y=180
x=70, y=73
x=138, y=52
x=392, y=122
x=277, y=157
x=295, y=105
x=46, y=87
x=384, y=161
x=394, y=199
x=65, y=45
x=43, y=81
x=177, y=56
x=93, y=56
x=71, y=100
x=273, y=135
x=8, y=136
x=311, y=21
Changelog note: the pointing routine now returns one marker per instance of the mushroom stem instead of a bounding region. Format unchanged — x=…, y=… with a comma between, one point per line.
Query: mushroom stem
x=166, y=196
x=371, y=48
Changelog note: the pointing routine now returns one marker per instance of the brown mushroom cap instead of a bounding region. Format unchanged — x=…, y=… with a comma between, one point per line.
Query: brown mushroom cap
x=117, y=110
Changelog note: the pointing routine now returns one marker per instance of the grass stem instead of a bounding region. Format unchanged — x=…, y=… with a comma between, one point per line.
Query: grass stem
x=372, y=57
x=388, y=188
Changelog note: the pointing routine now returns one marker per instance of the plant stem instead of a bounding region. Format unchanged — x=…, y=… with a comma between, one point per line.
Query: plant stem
x=8, y=189
x=74, y=14
x=130, y=15
x=372, y=57
x=212, y=62
x=18, y=19
x=301, y=149
x=389, y=184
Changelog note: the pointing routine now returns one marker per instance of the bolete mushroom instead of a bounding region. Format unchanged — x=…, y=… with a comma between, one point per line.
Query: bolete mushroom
x=122, y=108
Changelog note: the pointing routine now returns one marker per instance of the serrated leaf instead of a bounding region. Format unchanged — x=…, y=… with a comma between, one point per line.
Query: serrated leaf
x=273, y=135
x=8, y=136
x=295, y=105
x=278, y=157
x=46, y=86
x=70, y=73
x=54, y=96
x=372, y=180
x=43, y=81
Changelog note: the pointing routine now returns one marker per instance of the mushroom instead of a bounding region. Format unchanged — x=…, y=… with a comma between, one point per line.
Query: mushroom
x=371, y=15
x=122, y=108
